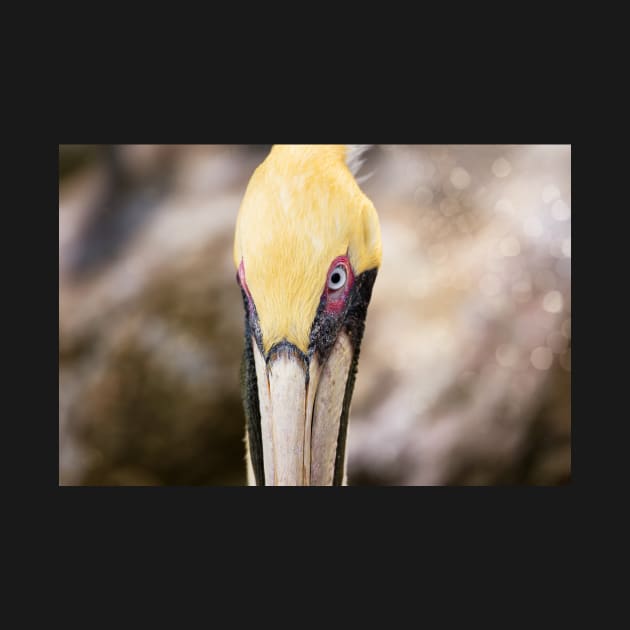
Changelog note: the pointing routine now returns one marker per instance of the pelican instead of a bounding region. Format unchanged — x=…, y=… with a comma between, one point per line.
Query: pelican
x=307, y=249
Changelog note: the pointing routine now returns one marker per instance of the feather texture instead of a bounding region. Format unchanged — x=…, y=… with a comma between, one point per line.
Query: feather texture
x=355, y=157
x=301, y=210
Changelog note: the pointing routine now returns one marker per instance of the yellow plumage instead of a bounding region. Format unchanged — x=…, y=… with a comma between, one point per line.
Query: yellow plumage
x=302, y=208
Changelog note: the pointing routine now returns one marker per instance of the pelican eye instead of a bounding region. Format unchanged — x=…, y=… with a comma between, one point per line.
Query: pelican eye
x=337, y=278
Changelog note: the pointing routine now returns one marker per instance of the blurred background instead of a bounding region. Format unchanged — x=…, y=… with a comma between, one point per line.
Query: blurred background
x=465, y=369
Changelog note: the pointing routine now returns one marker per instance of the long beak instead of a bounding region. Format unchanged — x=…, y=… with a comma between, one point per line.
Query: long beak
x=301, y=406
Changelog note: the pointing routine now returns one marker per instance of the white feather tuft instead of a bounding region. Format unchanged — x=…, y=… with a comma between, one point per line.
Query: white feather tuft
x=364, y=178
x=355, y=159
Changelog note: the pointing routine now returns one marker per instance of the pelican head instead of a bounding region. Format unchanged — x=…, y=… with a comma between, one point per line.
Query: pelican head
x=307, y=249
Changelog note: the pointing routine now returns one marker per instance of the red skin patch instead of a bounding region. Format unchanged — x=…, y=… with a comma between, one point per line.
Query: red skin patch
x=336, y=300
x=241, y=277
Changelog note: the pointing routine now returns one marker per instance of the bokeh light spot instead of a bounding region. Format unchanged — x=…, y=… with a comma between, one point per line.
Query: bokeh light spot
x=553, y=302
x=557, y=342
x=423, y=196
x=460, y=178
x=509, y=246
x=501, y=167
x=560, y=211
x=549, y=193
x=490, y=284
x=532, y=226
x=504, y=205
x=522, y=290
x=541, y=358
x=507, y=355
x=449, y=207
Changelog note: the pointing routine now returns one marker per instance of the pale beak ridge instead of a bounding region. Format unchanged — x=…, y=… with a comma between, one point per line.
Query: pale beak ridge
x=301, y=404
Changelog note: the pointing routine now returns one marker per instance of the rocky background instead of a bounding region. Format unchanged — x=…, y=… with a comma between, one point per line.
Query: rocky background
x=465, y=370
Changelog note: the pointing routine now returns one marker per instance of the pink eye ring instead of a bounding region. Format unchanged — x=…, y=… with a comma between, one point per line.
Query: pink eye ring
x=339, y=281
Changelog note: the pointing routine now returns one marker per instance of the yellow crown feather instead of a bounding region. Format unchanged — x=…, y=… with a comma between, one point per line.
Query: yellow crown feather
x=302, y=208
